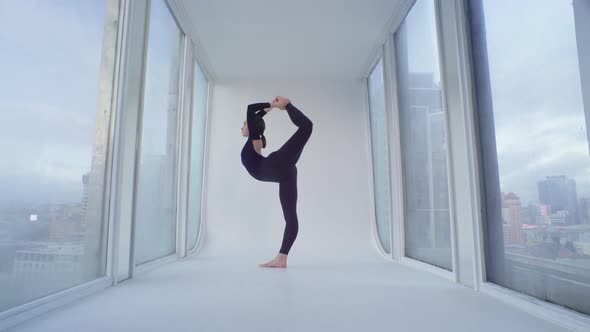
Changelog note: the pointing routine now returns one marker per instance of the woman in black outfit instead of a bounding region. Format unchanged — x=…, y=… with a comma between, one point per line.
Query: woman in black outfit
x=279, y=166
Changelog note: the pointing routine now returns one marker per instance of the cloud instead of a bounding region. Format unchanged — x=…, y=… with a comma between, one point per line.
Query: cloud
x=50, y=62
x=538, y=109
x=422, y=45
x=51, y=53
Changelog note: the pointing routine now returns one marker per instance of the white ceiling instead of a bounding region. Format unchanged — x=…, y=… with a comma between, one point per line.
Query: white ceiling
x=290, y=38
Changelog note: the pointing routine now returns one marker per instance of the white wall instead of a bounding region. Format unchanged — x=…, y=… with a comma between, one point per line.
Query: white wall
x=244, y=217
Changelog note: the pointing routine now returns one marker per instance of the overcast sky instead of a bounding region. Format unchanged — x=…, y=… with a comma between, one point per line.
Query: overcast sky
x=50, y=61
x=422, y=43
x=538, y=109
x=48, y=89
x=539, y=115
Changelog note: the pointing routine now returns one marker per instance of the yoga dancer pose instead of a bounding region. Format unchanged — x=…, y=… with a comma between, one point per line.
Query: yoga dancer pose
x=279, y=166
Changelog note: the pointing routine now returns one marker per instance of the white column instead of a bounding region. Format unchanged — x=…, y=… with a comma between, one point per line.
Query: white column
x=128, y=104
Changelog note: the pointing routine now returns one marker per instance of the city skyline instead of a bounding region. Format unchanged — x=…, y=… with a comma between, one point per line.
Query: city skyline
x=537, y=99
x=572, y=206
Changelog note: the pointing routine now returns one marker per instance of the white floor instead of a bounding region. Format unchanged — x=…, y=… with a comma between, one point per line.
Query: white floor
x=212, y=293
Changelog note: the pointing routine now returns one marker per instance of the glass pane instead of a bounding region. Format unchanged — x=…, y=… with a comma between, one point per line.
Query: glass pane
x=380, y=154
x=534, y=142
x=156, y=196
x=197, y=148
x=423, y=138
x=51, y=189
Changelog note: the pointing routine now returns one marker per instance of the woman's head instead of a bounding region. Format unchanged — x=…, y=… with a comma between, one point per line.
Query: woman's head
x=245, y=131
x=260, y=126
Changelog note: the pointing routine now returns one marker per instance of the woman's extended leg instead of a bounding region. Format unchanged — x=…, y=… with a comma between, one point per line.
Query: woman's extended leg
x=285, y=159
x=290, y=152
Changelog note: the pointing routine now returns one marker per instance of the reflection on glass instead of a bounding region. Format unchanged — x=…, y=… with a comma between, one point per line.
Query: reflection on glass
x=196, y=161
x=423, y=139
x=380, y=154
x=50, y=231
x=155, y=215
x=534, y=142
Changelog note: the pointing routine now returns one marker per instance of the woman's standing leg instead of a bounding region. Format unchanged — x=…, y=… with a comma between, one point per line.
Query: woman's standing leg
x=288, y=197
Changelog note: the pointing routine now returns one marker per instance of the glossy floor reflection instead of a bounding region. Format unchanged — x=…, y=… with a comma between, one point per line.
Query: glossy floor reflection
x=209, y=293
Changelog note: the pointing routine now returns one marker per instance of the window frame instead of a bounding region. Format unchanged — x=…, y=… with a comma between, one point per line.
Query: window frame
x=122, y=131
x=400, y=182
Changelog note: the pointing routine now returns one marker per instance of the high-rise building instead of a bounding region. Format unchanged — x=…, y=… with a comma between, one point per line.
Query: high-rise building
x=67, y=222
x=512, y=215
x=85, y=183
x=64, y=222
x=42, y=267
x=584, y=214
x=426, y=161
x=529, y=214
x=560, y=194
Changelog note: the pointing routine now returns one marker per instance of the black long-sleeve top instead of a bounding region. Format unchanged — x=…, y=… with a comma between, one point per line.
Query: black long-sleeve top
x=251, y=159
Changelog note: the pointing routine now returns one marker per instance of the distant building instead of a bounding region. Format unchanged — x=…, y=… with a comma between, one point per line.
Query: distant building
x=85, y=192
x=529, y=214
x=559, y=218
x=68, y=222
x=47, y=268
x=585, y=211
x=425, y=157
x=65, y=223
x=579, y=236
x=8, y=250
x=560, y=194
x=512, y=216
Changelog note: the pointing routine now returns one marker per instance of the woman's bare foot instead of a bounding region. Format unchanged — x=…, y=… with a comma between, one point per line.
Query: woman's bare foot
x=279, y=262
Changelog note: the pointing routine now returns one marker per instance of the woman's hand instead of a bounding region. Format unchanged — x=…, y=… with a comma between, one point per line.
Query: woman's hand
x=281, y=102
x=275, y=103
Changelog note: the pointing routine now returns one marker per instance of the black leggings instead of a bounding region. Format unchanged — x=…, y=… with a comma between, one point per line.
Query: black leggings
x=287, y=156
